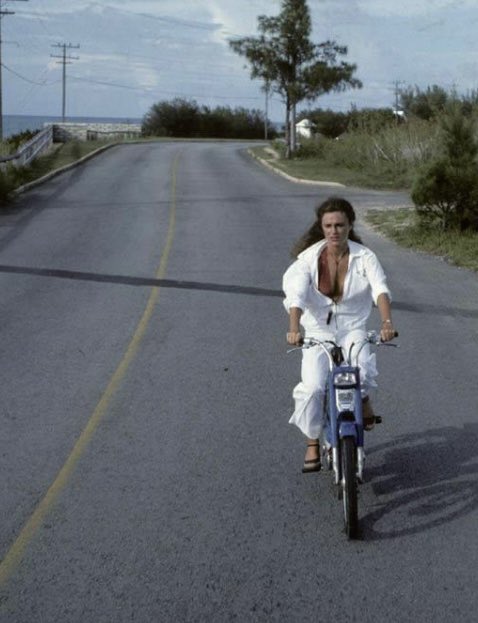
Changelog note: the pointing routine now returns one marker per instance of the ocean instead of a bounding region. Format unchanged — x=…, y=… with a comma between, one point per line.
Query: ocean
x=13, y=124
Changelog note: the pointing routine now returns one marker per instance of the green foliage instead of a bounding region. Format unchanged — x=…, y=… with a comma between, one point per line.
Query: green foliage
x=179, y=118
x=6, y=187
x=371, y=120
x=76, y=149
x=327, y=123
x=387, y=158
x=445, y=190
x=186, y=119
x=332, y=124
x=314, y=147
x=12, y=177
x=16, y=140
x=403, y=226
x=431, y=103
x=376, y=146
x=423, y=104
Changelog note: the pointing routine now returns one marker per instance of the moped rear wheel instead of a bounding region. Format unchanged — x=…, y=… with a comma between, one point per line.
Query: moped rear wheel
x=349, y=486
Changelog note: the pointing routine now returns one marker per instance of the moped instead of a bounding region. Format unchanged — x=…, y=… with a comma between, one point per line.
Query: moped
x=342, y=441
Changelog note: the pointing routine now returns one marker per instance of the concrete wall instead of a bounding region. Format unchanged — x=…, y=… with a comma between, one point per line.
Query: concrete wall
x=63, y=132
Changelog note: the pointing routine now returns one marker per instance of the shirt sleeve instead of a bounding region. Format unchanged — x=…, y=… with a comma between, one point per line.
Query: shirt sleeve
x=376, y=277
x=296, y=283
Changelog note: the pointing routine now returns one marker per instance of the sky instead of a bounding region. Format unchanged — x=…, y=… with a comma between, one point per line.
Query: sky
x=134, y=53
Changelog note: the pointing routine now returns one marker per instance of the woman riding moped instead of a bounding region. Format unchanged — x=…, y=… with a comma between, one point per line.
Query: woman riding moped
x=329, y=293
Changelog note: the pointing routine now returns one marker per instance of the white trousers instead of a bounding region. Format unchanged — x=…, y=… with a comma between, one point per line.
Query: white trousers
x=309, y=393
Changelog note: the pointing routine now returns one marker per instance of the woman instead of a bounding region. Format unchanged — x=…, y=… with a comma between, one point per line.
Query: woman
x=330, y=290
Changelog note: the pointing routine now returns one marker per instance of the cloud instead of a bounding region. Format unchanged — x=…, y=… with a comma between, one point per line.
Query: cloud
x=162, y=48
x=411, y=8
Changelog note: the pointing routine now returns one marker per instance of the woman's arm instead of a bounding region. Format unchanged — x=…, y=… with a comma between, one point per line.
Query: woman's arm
x=387, y=331
x=296, y=283
x=294, y=336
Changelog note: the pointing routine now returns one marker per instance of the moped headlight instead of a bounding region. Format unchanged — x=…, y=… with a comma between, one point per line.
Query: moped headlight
x=345, y=379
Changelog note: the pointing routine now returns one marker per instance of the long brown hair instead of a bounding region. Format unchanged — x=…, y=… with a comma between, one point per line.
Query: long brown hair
x=315, y=232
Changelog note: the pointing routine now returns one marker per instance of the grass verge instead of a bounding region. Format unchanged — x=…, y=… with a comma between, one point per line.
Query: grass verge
x=60, y=156
x=321, y=170
x=403, y=226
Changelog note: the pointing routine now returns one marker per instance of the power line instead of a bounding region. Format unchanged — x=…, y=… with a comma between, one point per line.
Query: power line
x=110, y=84
x=149, y=89
x=3, y=12
x=39, y=84
x=20, y=104
x=171, y=20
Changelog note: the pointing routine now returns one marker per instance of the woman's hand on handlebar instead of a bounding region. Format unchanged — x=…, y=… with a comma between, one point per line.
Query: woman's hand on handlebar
x=387, y=332
x=294, y=338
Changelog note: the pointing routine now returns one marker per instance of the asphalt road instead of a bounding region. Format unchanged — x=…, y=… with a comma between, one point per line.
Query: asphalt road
x=148, y=470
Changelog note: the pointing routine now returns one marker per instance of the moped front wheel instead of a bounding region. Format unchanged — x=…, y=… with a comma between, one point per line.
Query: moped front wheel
x=349, y=486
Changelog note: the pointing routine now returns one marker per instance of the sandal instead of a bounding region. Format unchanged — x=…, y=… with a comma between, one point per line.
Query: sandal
x=369, y=418
x=369, y=422
x=312, y=465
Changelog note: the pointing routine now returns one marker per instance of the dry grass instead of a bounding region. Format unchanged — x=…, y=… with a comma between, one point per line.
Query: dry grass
x=403, y=226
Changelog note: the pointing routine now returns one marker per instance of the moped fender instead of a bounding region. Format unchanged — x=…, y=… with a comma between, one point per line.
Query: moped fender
x=348, y=429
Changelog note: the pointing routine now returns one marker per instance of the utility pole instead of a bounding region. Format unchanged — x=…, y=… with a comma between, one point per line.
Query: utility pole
x=3, y=12
x=65, y=60
x=266, y=115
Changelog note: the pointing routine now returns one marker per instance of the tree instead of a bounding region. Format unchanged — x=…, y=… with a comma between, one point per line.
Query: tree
x=287, y=61
x=424, y=104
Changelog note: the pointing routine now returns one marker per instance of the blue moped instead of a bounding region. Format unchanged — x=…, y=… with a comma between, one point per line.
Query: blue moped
x=342, y=441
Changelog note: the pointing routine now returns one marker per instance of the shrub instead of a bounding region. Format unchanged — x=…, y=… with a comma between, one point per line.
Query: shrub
x=424, y=104
x=332, y=124
x=6, y=187
x=177, y=118
x=186, y=119
x=371, y=120
x=328, y=123
x=446, y=189
x=389, y=156
x=311, y=147
x=16, y=140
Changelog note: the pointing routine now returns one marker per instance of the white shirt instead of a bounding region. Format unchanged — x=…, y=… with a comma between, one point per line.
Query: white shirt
x=364, y=282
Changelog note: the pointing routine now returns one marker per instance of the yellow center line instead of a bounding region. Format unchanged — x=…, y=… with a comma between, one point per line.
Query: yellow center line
x=14, y=555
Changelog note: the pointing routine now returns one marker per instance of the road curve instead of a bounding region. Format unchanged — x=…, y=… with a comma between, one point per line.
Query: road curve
x=149, y=473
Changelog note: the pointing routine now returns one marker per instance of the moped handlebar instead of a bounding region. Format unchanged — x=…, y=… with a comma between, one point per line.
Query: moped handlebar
x=372, y=337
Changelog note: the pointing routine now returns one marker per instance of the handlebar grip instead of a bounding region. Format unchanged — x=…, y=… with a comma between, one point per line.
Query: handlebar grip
x=395, y=334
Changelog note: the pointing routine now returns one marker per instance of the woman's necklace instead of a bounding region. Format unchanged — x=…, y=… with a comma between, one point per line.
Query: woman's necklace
x=338, y=259
x=336, y=289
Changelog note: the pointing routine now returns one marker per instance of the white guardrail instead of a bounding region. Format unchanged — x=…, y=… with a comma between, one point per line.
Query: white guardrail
x=29, y=151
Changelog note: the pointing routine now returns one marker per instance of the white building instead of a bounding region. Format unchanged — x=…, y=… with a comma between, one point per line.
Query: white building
x=304, y=128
